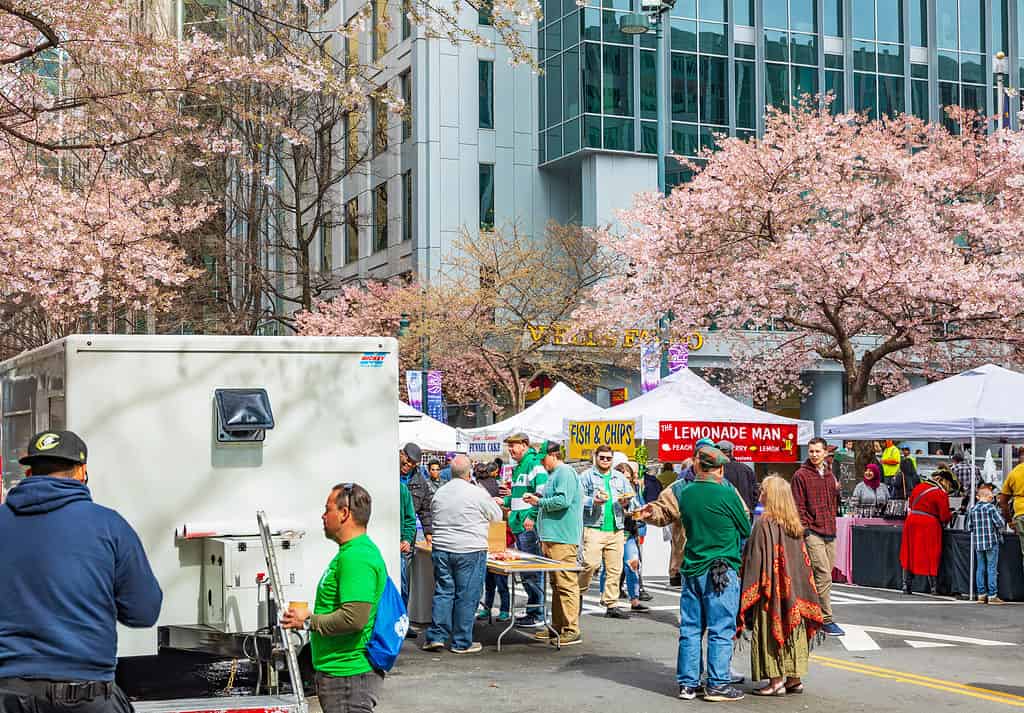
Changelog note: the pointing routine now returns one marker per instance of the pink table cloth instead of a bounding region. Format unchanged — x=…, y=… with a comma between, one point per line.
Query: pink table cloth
x=843, y=571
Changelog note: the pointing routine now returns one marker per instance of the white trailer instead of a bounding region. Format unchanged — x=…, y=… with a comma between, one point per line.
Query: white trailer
x=176, y=446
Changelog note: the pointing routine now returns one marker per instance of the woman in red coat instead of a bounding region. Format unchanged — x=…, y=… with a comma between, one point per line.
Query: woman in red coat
x=921, y=548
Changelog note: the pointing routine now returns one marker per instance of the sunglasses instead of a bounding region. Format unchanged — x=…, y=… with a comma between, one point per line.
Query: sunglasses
x=604, y=458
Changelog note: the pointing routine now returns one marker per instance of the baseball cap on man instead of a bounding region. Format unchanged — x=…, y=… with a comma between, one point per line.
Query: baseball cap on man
x=725, y=446
x=518, y=438
x=711, y=457
x=413, y=451
x=701, y=442
x=64, y=445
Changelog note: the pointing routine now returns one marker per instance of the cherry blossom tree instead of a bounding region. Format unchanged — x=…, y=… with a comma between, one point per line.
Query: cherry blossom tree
x=496, y=288
x=891, y=248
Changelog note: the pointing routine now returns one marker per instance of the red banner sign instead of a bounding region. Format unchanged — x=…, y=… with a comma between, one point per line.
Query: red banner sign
x=618, y=396
x=753, y=442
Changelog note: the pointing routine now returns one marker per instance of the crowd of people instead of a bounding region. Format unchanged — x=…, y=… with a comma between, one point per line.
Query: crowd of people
x=733, y=537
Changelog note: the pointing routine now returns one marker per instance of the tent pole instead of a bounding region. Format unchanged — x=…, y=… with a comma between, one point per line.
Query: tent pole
x=974, y=445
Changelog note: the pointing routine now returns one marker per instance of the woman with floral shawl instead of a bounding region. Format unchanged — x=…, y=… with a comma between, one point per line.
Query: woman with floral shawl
x=778, y=602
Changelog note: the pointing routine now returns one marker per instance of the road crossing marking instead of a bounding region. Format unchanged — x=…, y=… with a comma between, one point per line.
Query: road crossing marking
x=927, y=644
x=856, y=639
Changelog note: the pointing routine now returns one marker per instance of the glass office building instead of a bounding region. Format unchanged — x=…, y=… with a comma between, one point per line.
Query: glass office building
x=732, y=58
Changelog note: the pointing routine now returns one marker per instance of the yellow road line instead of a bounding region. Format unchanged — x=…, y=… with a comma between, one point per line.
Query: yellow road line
x=924, y=681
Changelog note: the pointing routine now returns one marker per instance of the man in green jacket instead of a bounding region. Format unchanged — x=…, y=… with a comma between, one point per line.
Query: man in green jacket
x=407, y=542
x=527, y=477
x=560, y=528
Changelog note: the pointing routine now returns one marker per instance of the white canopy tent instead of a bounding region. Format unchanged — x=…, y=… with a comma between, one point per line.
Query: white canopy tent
x=977, y=403
x=543, y=420
x=426, y=432
x=684, y=396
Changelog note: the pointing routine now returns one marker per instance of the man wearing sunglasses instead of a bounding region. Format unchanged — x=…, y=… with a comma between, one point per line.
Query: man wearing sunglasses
x=607, y=495
x=345, y=610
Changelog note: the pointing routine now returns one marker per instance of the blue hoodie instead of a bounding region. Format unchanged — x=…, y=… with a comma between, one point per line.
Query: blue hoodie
x=69, y=569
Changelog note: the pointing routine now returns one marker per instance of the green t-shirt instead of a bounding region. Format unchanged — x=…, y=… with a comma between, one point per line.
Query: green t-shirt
x=356, y=574
x=715, y=522
x=608, y=521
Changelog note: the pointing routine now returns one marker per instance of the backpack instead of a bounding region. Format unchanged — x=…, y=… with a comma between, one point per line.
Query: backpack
x=389, y=629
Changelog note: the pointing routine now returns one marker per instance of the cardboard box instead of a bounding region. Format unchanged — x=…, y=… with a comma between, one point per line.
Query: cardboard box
x=496, y=537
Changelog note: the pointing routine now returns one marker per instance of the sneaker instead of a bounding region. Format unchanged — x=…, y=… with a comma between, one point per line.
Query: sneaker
x=529, y=621
x=639, y=608
x=645, y=596
x=995, y=600
x=543, y=635
x=723, y=693
x=687, y=693
x=504, y=616
x=983, y=599
x=433, y=646
x=410, y=634
x=832, y=629
x=616, y=613
x=567, y=642
x=483, y=615
x=473, y=648
x=675, y=581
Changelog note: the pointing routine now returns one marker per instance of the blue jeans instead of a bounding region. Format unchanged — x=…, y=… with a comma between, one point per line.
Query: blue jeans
x=630, y=551
x=527, y=541
x=987, y=562
x=458, y=583
x=499, y=583
x=700, y=609
x=406, y=572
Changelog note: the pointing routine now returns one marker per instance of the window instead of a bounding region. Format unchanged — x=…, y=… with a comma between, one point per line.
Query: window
x=745, y=106
x=379, y=125
x=618, y=81
x=326, y=244
x=406, y=82
x=487, y=195
x=206, y=16
x=407, y=206
x=483, y=13
x=380, y=29
x=352, y=231
x=485, y=76
x=350, y=125
x=406, y=23
x=380, y=217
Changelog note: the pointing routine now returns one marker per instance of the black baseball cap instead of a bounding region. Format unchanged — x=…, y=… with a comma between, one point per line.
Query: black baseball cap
x=64, y=445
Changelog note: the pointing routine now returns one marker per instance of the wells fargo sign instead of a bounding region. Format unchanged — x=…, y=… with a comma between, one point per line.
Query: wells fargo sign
x=564, y=335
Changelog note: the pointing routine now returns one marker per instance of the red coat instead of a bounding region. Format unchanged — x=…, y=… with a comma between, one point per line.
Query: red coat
x=921, y=547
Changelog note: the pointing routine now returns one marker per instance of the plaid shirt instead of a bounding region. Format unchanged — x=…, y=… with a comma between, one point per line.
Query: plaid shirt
x=986, y=526
x=816, y=495
x=962, y=471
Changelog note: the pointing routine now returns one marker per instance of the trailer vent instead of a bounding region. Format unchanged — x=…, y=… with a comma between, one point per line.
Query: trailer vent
x=243, y=415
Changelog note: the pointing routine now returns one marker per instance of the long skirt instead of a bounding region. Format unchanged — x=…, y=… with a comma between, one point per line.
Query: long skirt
x=768, y=659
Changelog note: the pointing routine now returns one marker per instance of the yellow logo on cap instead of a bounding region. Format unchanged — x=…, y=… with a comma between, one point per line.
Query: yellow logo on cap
x=47, y=441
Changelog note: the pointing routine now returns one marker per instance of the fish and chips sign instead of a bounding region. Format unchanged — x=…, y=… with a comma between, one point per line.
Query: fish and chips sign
x=585, y=436
x=753, y=442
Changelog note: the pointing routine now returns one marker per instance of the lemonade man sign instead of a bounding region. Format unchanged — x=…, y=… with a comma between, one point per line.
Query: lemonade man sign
x=586, y=436
x=753, y=442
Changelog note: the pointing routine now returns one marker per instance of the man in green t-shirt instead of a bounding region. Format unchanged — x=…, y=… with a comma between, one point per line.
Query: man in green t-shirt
x=342, y=619
x=527, y=477
x=715, y=522
x=560, y=527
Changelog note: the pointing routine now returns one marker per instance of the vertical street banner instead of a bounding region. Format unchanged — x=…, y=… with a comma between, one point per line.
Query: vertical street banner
x=414, y=389
x=435, y=404
x=678, y=357
x=650, y=366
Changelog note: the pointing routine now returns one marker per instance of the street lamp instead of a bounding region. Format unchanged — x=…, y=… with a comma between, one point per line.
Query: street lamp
x=1000, y=67
x=637, y=23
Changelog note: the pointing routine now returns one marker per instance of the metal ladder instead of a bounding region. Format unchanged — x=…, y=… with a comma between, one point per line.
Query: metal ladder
x=286, y=640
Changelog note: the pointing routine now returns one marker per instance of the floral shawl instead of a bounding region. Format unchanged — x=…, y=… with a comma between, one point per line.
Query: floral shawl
x=777, y=577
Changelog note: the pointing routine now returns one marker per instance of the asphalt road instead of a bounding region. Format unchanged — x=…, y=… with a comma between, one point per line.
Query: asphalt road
x=902, y=653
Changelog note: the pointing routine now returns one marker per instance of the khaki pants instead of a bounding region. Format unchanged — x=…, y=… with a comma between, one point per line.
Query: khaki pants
x=675, y=562
x=600, y=546
x=823, y=559
x=565, y=591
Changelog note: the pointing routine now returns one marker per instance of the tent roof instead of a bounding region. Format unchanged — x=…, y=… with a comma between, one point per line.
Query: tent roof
x=426, y=432
x=543, y=420
x=982, y=402
x=684, y=396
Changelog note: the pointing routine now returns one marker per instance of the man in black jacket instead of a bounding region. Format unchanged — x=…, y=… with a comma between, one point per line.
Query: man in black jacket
x=421, y=486
x=741, y=476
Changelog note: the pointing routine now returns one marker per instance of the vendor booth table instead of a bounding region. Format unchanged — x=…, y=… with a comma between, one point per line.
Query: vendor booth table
x=876, y=561
x=422, y=585
x=844, y=545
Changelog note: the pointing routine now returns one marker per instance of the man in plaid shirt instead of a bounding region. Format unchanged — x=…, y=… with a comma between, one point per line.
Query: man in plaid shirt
x=962, y=471
x=986, y=526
